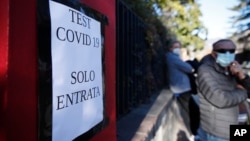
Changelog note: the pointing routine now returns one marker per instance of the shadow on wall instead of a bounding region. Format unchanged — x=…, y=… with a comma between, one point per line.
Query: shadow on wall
x=182, y=136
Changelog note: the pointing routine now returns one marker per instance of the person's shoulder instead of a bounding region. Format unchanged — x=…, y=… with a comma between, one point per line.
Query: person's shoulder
x=205, y=71
x=171, y=55
x=205, y=67
x=206, y=58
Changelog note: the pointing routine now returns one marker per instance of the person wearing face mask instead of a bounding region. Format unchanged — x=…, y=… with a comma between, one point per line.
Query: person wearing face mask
x=178, y=79
x=177, y=70
x=220, y=93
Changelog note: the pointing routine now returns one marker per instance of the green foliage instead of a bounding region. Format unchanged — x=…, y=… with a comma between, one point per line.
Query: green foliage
x=183, y=20
x=241, y=22
x=171, y=19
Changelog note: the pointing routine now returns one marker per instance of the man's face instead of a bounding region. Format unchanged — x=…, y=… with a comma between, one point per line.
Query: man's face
x=175, y=45
x=224, y=53
x=176, y=48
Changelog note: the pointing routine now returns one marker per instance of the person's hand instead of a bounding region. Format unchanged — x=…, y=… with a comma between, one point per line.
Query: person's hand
x=237, y=70
x=240, y=86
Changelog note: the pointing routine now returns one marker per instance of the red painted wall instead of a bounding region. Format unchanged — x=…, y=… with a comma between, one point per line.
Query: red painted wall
x=18, y=69
x=108, y=8
x=18, y=76
x=3, y=61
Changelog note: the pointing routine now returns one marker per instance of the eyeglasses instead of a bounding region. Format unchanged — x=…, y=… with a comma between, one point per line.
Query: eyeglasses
x=225, y=50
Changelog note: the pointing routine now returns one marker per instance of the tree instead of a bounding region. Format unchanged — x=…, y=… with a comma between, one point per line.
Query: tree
x=242, y=23
x=182, y=18
x=242, y=35
x=173, y=19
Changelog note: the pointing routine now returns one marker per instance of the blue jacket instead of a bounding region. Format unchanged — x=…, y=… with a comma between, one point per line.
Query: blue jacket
x=178, y=71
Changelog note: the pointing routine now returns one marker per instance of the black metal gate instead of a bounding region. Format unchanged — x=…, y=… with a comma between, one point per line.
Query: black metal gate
x=131, y=60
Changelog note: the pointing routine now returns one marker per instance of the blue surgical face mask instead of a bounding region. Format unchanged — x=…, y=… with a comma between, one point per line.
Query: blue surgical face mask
x=225, y=59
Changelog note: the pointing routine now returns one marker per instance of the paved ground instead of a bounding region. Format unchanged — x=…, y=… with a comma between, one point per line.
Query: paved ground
x=128, y=125
x=137, y=125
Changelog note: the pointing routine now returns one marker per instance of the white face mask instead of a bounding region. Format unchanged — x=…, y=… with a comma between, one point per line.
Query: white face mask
x=177, y=51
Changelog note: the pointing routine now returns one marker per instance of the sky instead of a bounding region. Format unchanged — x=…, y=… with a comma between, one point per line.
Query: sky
x=216, y=17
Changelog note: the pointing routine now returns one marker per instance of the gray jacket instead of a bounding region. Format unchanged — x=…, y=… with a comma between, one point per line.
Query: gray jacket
x=219, y=99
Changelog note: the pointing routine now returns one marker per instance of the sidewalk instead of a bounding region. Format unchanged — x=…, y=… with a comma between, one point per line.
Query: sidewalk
x=161, y=119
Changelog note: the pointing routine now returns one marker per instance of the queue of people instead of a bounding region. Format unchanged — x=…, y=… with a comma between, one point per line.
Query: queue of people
x=222, y=89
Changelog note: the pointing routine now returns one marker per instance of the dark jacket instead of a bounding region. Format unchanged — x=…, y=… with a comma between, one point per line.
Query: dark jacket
x=219, y=99
x=246, y=84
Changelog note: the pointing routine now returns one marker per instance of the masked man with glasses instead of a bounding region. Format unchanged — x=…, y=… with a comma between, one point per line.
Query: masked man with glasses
x=220, y=83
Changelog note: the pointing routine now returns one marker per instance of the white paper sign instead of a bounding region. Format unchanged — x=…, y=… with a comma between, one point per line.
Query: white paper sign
x=76, y=72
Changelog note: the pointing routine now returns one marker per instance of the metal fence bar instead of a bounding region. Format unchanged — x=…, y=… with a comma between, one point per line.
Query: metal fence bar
x=131, y=60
